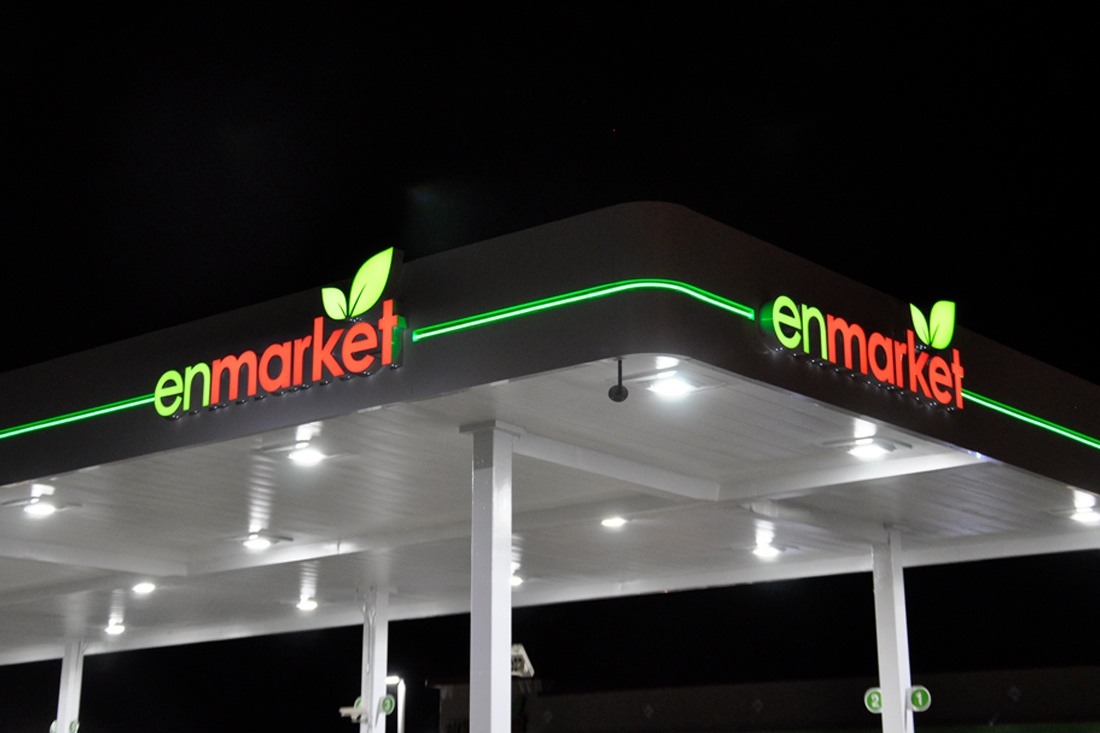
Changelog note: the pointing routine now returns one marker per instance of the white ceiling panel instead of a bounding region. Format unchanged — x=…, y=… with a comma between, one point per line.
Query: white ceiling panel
x=696, y=480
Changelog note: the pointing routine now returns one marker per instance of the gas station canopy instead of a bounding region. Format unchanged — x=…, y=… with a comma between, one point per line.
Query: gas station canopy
x=163, y=454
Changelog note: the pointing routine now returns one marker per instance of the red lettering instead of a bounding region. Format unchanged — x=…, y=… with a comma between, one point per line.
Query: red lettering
x=386, y=324
x=360, y=338
x=849, y=335
x=957, y=372
x=880, y=345
x=232, y=365
x=322, y=350
x=916, y=368
x=283, y=365
x=939, y=377
x=900, y=350
x=280, y=381
x=905, y=364
x=300, y=346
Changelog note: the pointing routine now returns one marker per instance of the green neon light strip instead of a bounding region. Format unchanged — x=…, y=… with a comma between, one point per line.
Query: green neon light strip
x=1038, y=422
x=578, y=296
x=86, y=414
x=536, y=306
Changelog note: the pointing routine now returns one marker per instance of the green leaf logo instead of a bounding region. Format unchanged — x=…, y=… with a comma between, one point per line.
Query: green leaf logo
x=938, y=330
x=366, y=288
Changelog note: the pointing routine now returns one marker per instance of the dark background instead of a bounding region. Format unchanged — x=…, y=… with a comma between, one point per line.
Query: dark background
x=165, y=163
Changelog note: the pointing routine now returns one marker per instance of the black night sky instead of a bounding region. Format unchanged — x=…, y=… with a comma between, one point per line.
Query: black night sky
x=166, y=163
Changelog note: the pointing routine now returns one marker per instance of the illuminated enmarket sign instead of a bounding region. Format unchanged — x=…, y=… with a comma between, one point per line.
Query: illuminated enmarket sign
x=318, y=356
x=906, y=365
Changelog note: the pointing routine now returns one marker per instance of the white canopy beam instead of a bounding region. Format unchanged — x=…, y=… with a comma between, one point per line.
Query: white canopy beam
x=650, y=479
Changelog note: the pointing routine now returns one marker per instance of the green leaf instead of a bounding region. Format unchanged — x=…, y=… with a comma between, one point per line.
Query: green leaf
x=336, y=305
x=369, y=283
x=920, y=326
x=942, y=322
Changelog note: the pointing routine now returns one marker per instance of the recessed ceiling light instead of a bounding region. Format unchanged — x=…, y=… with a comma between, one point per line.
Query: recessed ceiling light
x=115, y=627
x=669, y=384
x=766, y=552
x=867, y=447
x=39, y=507
x=613, y=522
x=262, y=540
x=307, y=604
x=1084, y=509
x=671, y=387
x=40, y=503
x=144, y=588
x=870, y=448
x=305, y=455
x=1086, y=516
x=671, y=380
x=256, y=541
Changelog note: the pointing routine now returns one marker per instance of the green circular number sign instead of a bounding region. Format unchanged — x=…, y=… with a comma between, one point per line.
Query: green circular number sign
x=388, y=704
x=873, y=699
x=919, y=698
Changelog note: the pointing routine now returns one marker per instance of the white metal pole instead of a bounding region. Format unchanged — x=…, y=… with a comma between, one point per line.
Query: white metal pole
x=375, y=650
x=490, y=586
x=893, y=634
x=72, y=675
x=401, y=706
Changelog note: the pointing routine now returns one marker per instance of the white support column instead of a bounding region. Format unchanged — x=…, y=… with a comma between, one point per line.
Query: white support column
x=893, y=634
x=376, y=634
x=72, y=675
x=490, y=584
